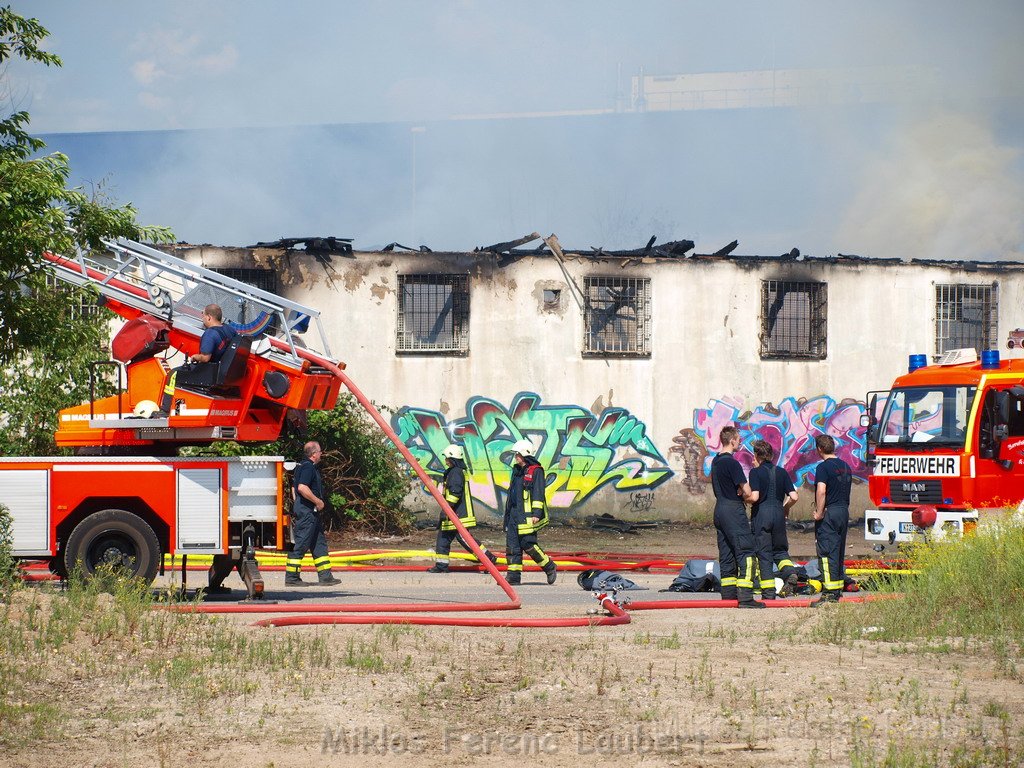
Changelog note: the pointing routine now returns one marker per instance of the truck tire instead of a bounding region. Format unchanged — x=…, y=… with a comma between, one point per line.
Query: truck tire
x=117, y=538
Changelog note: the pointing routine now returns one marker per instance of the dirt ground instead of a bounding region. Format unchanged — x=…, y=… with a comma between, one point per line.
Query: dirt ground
x=691, y=687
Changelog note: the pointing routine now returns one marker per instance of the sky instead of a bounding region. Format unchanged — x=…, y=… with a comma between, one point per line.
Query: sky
x=460, y=123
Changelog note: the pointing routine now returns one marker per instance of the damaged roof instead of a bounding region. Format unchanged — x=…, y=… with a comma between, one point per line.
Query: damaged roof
x=508, y=252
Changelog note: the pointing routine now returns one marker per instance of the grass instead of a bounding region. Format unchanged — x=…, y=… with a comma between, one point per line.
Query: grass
x=106, y=629
x=969, y=592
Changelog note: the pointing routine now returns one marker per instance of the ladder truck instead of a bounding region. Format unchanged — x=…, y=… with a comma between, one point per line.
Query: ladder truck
x=126, y=498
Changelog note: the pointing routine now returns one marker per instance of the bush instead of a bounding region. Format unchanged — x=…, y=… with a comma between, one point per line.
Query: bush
x=365, y=477
x=9, y=576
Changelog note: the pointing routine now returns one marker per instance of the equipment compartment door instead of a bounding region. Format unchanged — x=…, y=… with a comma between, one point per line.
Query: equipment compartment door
x=26, y=493
x=200, y=514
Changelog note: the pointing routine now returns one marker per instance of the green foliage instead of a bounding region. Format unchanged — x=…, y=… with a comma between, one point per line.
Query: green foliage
x=365, y=477
x=9, y=577
x=46, y=341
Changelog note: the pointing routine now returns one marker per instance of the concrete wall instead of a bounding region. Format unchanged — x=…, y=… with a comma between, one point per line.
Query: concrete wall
x=629, y=437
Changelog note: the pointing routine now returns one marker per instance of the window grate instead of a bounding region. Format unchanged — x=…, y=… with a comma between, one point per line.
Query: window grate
x=617, y=317
x=433, y=313
x=966, y=316
x=794, y=320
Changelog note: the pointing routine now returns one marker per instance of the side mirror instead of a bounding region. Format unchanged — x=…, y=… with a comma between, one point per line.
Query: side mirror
x=865, y=420
x=1002, y=408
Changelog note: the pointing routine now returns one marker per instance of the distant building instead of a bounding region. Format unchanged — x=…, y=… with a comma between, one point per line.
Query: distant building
x=623, y=368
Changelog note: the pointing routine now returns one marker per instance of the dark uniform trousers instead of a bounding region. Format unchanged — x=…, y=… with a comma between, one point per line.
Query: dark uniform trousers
x=830, y=539
x=771, y=544
x=309, y=537
x=735, y=542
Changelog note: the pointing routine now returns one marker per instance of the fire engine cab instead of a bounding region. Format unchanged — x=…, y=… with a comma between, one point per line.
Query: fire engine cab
x=946, y=442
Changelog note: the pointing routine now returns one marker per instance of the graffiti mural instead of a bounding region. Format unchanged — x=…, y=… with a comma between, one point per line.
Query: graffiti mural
x=582, y=451
x=789, y=428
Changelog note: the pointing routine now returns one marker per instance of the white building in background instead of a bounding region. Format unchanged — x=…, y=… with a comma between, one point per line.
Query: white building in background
x=622, y=369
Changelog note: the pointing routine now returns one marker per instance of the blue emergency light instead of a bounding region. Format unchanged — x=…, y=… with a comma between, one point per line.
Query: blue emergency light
x=918, y=361
x=990, y=359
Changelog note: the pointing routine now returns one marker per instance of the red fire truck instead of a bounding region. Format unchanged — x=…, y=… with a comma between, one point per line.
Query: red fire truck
x=126, y=497
x=944, y=443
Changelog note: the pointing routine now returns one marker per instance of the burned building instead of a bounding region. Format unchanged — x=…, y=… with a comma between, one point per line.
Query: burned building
x=623, y=366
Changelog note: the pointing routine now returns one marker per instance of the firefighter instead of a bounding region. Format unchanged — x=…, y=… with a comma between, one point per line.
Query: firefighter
x=771, y=494
x=735, y=541
x=832, y=481
x=307, y=528
x=526, y=512
x=212, y=343
x=455, y=487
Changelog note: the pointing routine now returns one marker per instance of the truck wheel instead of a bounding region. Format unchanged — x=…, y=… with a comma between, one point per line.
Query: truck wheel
x=116, y=538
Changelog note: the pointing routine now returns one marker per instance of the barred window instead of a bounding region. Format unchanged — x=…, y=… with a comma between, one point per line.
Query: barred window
x=966, y=316
x=81, y=303
x=617, y=316
x=433, y=314
x=244, y=313
x=794, y=320
x=264, y=279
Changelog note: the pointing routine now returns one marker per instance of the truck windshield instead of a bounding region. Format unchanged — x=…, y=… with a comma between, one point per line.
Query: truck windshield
x=926, y=415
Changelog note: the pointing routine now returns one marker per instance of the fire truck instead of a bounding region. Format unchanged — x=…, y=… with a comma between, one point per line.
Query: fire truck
x=945, y=443
x=126, y=497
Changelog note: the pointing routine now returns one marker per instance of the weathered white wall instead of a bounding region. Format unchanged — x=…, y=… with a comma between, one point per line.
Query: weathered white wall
x=706, y=317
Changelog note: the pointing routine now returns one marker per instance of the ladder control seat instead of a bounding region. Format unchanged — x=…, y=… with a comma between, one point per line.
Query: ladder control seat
x=224, y=374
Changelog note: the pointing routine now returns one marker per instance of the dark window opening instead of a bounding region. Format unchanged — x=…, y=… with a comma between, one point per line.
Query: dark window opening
x=433, y=313
x=794, y=320
x=617, y=317
x=966, y=316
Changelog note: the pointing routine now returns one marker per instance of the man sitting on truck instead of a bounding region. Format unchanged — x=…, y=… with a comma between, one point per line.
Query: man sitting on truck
x=214, y=341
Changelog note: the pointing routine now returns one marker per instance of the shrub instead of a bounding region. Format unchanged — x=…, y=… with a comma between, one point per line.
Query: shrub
x=364, y=475
x=9, y=576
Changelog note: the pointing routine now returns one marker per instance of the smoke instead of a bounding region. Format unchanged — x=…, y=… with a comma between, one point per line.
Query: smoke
x=942, y=187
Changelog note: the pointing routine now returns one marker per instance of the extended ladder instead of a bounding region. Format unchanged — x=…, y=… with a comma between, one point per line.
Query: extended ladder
x=162, y=285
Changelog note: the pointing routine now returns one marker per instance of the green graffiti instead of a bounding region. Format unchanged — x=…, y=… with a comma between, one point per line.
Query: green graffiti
x=582, y=452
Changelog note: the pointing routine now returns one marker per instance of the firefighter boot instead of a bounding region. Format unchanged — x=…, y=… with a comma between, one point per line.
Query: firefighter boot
x=293, y=580
x=745, y=595
x=438, y=568
x=729, y=593
x=768, y=594
x=325, y=578
x=552, y=571
x=514, y=577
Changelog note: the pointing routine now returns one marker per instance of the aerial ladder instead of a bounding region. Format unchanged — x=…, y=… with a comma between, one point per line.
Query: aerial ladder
x=127, y=497
x=267, y=372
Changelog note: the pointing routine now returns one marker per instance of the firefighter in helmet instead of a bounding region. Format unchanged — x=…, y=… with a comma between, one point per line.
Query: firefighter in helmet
x=455, y=487
x=526, y=512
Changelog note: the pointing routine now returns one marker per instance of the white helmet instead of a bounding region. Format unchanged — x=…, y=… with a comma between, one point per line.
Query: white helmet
x=453, y=452
x=523, y=447
x=145, y=409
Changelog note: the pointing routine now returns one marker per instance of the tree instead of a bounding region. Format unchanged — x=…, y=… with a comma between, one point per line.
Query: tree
x=45, y=344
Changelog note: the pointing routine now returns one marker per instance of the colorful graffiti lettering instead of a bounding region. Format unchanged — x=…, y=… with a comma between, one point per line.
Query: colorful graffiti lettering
x=581, y=451
x=790, y=428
